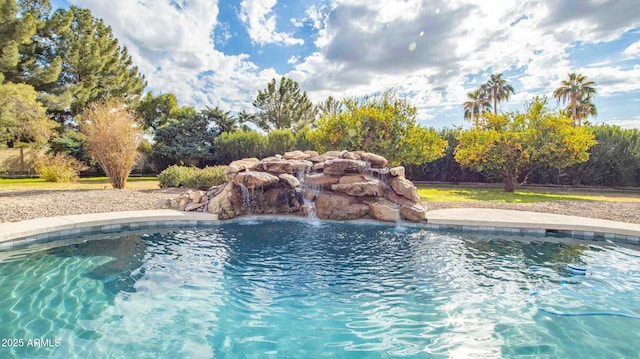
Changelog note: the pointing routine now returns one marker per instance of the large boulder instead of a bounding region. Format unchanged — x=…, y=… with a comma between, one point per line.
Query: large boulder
x=375, y=160
x=340, y=166
x=296, y=155
x=397, y=171
x=339, y=207
x=411, y=211
x=384, y=210
x=359, y=186
x=255, y=179
x=272, y=201
x=226, y=204
x=289, y=181
x=405, y=188
x=238, y=166
x=414, y=212
x=320, y=180
x=293, y=167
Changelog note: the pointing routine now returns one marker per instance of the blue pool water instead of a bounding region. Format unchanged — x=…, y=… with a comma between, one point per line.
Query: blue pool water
x=294, y=289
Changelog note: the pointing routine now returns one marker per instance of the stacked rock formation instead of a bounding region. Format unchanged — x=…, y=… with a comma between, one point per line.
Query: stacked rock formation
x=335, y=185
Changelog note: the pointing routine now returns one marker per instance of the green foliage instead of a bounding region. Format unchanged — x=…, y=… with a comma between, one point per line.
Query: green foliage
x=186, y=139
x=283, y=107
x=223, y=121
x=533, y=139
x=192, y=177
x=279, y=142
x=15, y=31
x=303, y=140
x=72, y=143
x=614, y=160
x=22, y=118
x=58, y=168
x=156, y=111
x=233, y=146
x=380, y=124
x=94, y=65
x=37, y=65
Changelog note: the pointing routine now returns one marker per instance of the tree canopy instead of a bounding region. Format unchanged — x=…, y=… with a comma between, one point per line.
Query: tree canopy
x=94, y=65
x=283, y=106
x=522, y=142
x=382, y=124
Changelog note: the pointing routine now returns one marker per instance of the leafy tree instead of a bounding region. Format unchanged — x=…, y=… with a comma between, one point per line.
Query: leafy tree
x=231, y=146
x=23, y=119
x=577, y=91
x=94, y=66
x=330, y=106
x=188, y=139
x=381, y=124
x=475, y=106
x=156, y=111
x=497, y=90
x=283, y=106
x=112, y=137
x=533, y=139
x=223, y=121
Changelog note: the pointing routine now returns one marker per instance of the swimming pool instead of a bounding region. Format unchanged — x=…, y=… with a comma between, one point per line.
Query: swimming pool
x=291, y=289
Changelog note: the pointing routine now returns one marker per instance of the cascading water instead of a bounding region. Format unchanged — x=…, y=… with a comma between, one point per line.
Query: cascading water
x=248, y=199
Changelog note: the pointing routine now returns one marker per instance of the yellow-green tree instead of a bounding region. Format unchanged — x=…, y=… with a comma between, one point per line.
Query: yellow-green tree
x=383, y=124
x=23, y=120
x=514, y=144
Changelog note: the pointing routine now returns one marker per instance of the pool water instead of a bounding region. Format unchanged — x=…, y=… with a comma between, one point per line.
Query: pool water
x=295, y=289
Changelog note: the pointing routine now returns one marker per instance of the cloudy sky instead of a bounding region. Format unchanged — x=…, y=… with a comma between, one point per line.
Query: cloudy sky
x=220, y=53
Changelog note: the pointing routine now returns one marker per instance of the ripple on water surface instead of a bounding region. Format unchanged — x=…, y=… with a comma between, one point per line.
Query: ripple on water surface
x=295, y=289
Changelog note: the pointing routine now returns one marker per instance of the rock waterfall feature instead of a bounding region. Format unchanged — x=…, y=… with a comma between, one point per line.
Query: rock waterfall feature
x=335, y=185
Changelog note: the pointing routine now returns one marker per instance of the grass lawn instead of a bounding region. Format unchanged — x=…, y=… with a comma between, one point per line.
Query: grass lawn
x=525, y=195
x=30, y=184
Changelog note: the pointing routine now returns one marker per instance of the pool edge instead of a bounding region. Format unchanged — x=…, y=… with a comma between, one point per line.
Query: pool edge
x=464, y=219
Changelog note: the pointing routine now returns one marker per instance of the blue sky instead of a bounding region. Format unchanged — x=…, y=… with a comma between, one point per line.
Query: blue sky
x=220, y=53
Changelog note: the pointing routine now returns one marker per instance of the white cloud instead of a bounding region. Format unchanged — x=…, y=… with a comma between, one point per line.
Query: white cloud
x=613, y=80
x=633, y=50
x=626, y=123
x=174, y=50
x=261, y=23
x=434, y=51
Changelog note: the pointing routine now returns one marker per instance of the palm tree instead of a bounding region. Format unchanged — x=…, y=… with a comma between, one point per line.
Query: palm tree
x=475, y=106
x=584, y=107
x=496, y=90
x=576, y=90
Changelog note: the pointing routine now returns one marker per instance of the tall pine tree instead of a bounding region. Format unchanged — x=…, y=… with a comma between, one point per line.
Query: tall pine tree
x=94, y=66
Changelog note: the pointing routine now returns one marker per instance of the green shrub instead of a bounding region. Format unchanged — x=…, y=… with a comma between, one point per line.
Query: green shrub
x=58, y=168
x=192, y=177
x=279, y=142
x=206, y=178
x=231, y=146
x=175, y=176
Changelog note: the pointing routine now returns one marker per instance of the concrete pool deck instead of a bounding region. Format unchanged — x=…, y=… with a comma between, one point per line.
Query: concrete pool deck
x=465, y=219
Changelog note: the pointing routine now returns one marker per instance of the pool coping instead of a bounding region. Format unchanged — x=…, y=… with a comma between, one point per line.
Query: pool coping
x=464, y=219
